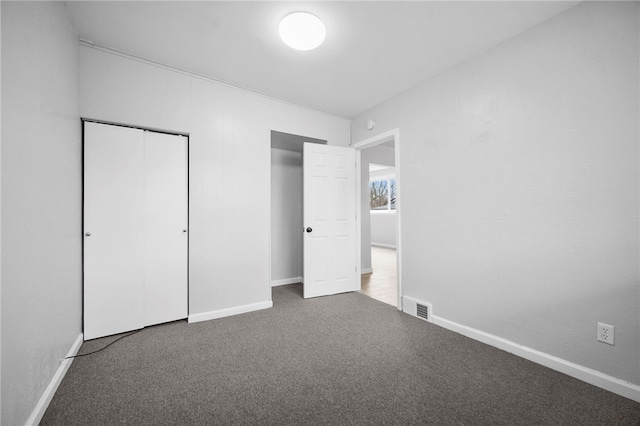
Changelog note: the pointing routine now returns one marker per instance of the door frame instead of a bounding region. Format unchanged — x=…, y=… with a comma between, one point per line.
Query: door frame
x=391, y=135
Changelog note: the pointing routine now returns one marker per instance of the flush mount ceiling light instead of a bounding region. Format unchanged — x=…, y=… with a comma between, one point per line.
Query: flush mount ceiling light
x=302, y=31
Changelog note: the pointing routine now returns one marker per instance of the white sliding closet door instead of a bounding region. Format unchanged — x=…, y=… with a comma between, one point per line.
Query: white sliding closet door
x=135, y=223
x=114, y=231
x=165, y=227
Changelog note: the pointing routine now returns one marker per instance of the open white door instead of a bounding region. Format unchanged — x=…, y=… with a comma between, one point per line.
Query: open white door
x=329, y=220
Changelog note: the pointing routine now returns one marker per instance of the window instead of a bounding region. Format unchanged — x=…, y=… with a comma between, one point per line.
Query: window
x=382, y=194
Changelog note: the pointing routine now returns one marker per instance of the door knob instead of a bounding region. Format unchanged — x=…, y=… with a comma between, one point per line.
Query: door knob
x=184, y=230
x=309, y=229
x=88, y=234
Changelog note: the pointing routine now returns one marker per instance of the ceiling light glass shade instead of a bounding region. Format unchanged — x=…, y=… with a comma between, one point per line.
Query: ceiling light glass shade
x=302, y=31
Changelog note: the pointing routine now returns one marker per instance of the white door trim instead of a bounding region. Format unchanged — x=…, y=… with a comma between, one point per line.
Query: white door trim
x=391, y=135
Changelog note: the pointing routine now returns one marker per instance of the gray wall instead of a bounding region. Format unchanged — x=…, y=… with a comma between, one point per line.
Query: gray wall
x=378, y=154
x=520, y=188
x=41, y=201
x=383, y=229
x=286, y=214
x=229, y=167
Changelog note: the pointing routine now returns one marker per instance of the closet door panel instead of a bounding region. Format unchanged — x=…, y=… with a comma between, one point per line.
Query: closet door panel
x=113, y=226
x=165, y=227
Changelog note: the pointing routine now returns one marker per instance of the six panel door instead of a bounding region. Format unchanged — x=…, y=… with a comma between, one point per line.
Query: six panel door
x=329, y=176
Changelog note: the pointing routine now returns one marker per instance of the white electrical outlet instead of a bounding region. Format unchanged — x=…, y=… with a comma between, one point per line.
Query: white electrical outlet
x=605, y=333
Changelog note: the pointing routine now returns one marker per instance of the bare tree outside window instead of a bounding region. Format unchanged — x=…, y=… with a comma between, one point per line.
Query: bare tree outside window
x=379, y=194
x=382, y=188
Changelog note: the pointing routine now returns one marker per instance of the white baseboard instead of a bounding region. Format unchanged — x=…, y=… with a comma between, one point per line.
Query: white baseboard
x=47, y=396
x=391, y=246
x=596, y=378
x=206, y=316
x=286, y=281
x=366, y=271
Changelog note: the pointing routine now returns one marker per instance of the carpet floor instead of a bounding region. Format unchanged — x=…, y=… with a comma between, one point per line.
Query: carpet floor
x=337, y=360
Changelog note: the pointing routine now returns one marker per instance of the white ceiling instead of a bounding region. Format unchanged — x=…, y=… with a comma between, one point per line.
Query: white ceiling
x=373, y=50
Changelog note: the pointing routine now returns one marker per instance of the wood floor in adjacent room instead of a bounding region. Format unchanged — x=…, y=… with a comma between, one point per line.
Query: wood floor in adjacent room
x=382, y=283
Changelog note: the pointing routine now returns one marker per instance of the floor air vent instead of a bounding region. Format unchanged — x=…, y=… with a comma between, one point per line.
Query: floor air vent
x=418, y=309
x=423, y=311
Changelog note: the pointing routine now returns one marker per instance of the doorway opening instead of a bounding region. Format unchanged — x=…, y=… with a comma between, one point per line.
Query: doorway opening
x=379, y=218
x=287, y=261
x=379, y=265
